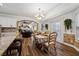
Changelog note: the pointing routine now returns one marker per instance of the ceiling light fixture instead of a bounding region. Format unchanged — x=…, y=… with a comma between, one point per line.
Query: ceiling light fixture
x=40, y=15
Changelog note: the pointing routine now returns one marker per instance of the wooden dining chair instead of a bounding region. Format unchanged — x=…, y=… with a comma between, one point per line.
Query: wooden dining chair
x=50, y=45
x=16, y=45
x=34, y=40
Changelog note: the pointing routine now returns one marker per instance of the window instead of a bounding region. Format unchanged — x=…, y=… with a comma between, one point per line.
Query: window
x=77, y=27
x=55, y=27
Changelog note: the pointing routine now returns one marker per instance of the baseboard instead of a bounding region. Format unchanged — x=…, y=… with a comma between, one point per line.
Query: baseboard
x=77, y=49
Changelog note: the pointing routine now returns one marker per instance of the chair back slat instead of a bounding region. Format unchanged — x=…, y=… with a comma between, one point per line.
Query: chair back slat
x=52, y=37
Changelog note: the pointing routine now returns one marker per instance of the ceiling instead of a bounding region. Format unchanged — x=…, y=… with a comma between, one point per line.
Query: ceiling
x=31, y=9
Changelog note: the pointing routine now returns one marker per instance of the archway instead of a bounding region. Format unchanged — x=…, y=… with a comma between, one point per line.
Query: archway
x=32, y=24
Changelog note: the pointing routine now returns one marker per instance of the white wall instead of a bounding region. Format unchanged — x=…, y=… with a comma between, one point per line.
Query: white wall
x=7, y=21
x=10, y=20
x=71, y=15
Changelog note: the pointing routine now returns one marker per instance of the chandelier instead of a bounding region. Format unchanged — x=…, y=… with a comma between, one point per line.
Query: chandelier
x=40, y=14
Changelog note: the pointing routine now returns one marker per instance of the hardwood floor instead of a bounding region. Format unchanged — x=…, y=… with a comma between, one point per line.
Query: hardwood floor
x=64, y=50
x=61, y=50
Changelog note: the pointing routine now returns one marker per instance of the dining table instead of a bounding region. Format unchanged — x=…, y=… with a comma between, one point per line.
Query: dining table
x=41, y=38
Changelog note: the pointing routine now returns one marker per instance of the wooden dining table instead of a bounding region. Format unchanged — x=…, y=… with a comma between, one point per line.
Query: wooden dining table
x=41, y=38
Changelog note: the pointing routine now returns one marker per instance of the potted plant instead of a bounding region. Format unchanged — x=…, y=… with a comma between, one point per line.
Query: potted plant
x=68, y=24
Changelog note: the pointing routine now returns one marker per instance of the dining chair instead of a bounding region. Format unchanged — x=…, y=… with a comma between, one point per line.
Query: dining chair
x=50, y=45
x=36, y=42
x=16, y=45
